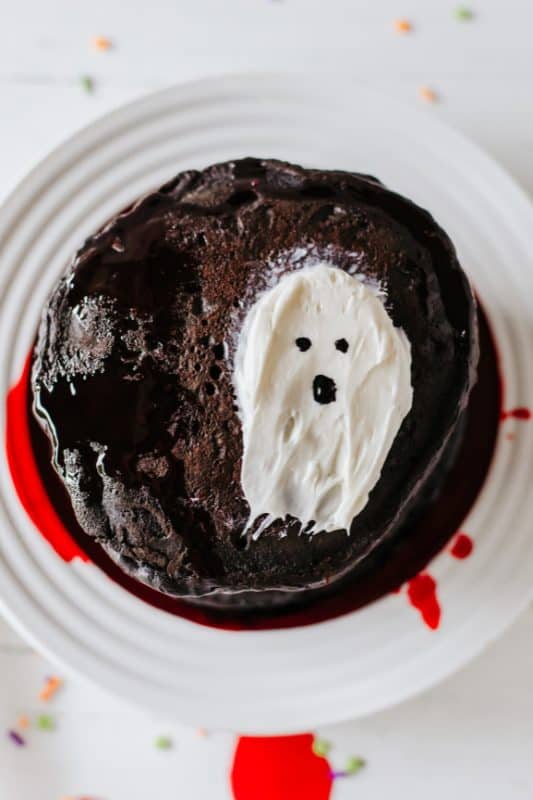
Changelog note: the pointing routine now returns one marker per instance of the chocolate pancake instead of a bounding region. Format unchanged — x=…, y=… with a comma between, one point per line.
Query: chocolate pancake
x=134, y=373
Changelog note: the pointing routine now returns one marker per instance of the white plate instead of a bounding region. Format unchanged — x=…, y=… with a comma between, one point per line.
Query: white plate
x=262, y=681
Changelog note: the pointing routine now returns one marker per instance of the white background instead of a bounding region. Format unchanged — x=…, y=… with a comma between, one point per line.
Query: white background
x=469, y=737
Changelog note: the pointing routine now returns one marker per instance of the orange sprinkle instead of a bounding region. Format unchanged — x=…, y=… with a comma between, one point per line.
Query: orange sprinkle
x=402, y=26
x=427, y=94
x=101, y=43
x=23, y=722
x=50, y=688
x=201, y=733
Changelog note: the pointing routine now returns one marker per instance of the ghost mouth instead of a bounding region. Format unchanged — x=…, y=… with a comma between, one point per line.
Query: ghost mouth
x=324, y=389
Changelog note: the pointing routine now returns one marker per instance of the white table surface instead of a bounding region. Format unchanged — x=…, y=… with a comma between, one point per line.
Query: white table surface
x=469, y=737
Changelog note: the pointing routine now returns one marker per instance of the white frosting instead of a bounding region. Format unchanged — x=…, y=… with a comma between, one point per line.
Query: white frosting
x=313, y=460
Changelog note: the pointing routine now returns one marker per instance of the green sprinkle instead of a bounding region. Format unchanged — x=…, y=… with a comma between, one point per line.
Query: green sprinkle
x=87, y=84
x=463, y=14
x=321, y=747
x=163, y=743
x=45, y=722
x=354, y=765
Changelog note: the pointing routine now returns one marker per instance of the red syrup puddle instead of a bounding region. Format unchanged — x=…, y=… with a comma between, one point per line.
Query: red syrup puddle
x=25, y=473
x=279, y=768
x=462, y=546
x=521, y=413
x=43, y=496
x=422, y=594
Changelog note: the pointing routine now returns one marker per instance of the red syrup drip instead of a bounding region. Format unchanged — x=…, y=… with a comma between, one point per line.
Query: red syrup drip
x=422, y=594
x=279, y=768
x=521, y=413
x=462, y=546
x=26, y=476
x=43, y=496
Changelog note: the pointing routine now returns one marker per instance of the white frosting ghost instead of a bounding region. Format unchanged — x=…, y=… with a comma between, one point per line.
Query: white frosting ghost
x=323, y=382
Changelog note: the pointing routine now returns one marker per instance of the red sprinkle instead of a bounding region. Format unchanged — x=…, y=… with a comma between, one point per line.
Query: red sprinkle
x=16, y=738
x=521, y=412
x=462, y=546
x=422, y=594
x=279, y=768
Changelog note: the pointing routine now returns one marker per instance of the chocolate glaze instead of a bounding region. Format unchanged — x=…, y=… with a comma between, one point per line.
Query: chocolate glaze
x=132, y=372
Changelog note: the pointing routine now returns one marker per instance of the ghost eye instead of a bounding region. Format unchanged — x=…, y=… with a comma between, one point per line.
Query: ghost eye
x=342, y=345
x=303, y=343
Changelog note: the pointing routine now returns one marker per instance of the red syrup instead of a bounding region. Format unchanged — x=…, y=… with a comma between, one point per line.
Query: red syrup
x=43, y=496
x=422, y=594
x=462, y=546
x=37, y=499
x=521, y=413
x=279, y=768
